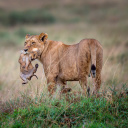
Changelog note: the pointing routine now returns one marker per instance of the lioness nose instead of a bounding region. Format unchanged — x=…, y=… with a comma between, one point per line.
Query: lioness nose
x=25, y=50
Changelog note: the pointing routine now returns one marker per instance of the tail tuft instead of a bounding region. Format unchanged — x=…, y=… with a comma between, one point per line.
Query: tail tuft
x=93, y=67
x=93, y=70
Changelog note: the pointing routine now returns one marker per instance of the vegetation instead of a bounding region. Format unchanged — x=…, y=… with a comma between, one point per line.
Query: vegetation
x=107, y=110
x=29, y=16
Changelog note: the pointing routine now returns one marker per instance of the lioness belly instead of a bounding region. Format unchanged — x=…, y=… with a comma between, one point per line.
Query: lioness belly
x=70, y=72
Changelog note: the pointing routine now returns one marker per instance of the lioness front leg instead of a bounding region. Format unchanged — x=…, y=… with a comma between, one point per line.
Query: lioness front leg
x=51, y=82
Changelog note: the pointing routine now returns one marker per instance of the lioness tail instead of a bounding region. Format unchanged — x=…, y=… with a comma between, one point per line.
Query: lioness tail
x=93, y=58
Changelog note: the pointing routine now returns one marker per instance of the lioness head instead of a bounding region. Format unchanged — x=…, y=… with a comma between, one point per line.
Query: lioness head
x=35, y=43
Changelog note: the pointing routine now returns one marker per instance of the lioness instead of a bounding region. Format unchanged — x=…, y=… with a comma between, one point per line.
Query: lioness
x=26, y=68
x=64, y=63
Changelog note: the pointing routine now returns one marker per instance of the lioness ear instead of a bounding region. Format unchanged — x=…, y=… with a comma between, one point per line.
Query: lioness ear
x=43, y=37
x=28, y=35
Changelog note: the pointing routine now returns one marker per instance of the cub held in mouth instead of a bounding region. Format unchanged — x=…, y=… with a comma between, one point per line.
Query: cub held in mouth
x=27, y=71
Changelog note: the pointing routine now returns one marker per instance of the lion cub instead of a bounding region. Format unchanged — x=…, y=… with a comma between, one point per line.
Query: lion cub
x=26, y=68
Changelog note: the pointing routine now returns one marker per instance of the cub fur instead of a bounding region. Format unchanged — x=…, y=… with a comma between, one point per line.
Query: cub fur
x=26, y=68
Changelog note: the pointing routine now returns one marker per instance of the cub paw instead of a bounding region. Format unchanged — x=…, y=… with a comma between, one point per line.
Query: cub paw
x=36, y=66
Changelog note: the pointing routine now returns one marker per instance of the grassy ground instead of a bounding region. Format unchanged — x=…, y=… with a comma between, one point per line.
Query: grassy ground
x=107, y=111
x=68, y=22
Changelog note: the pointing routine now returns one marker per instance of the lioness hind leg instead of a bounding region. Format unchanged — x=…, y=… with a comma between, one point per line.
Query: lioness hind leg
x=97, y=83
x=97, y=79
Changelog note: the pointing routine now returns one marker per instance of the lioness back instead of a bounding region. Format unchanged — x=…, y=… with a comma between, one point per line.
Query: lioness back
x=76, y=59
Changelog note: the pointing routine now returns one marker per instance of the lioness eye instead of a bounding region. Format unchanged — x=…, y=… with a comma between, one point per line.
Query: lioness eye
x=33, y=42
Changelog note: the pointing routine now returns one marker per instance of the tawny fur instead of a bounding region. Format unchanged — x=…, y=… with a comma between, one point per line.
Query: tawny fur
x=64, y=63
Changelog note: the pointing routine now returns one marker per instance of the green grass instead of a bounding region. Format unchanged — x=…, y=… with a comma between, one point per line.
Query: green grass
x=74, y=111
x=13, y=38
x=23, y=17
x=92, y=13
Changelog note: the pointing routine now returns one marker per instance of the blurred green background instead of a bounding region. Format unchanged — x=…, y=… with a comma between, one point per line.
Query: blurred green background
x=67, y=21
